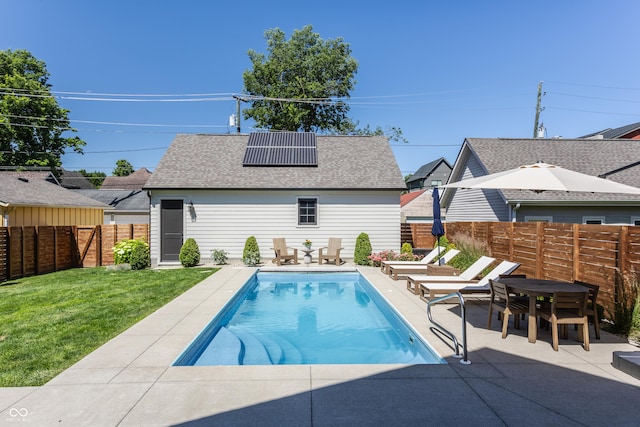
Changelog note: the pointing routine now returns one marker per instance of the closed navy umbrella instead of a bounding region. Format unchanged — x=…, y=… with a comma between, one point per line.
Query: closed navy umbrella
x=437, y=229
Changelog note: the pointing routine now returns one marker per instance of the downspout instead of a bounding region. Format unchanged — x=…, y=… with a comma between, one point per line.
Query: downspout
x=513, y=212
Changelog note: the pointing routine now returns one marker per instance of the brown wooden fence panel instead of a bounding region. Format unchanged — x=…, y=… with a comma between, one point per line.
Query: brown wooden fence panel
x=406, y=235
x=46, y=250
x=66, y=248
x=557, y=251
x=4, y=253
x=15, y=255
x=30, y=250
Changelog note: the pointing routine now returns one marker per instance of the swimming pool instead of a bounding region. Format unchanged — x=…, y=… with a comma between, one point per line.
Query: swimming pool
x=285, y=318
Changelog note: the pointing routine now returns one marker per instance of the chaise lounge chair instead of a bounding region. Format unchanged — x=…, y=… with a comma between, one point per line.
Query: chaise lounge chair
x=282, y=252
x=384, y=265
x=468, y=275
x=479, y=286
x=396, y=270
x=331, y=252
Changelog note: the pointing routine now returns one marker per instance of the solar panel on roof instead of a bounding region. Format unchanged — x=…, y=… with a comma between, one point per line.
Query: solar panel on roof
x=281, y=149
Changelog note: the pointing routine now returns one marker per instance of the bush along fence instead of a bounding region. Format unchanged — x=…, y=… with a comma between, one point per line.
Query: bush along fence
x=31, y=250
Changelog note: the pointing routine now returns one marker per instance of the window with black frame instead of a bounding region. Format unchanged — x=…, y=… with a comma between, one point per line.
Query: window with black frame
x=307, y=211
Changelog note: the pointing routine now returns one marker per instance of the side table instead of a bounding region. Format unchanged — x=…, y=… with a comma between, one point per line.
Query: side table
x=307, y=255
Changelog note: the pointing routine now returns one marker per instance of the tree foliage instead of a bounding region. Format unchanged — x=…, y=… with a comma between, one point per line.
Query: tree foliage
x=123, y=168
x=96, y=178
x=32, y=123
x=316, y=74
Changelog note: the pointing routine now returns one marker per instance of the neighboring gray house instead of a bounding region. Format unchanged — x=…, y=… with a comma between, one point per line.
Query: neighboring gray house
x=617, y=159
x=221, y=189
x=125, y=206
x=430, y=175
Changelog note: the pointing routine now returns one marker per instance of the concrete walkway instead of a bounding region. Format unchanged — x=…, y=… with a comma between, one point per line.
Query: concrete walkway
x=130, y=381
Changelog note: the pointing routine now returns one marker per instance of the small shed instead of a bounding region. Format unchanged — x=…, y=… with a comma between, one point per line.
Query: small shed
x=222, y=189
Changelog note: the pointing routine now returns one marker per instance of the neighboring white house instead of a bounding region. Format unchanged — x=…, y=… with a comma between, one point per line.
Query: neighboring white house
x=221, y=189
x=615, y=159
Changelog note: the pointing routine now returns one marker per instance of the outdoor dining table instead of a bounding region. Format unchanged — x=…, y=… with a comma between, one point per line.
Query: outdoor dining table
x=535, y=288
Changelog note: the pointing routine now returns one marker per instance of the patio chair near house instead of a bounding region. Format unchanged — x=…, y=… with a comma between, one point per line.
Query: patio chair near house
x=428, y=290
x=468, y=275
x=396, y=270
x=592, y=305
x=567, y=308
x=282, y=254
x=331, y=251
x=384, y=265
x=503, y=302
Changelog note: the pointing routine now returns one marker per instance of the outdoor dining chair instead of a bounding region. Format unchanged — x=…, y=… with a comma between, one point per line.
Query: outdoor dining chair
x=592, y=305
x=567, y=308
x=503, y=302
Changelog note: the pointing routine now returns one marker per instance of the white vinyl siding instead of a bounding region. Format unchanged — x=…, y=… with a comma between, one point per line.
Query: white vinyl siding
x=224, y=219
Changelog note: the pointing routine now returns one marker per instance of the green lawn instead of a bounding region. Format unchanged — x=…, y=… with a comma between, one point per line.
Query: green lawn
x=49, y=322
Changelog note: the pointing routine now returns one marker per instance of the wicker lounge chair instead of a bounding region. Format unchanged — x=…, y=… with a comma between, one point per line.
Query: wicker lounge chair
x=384, y=265
x=282, y=252
x=428, y=290
x=331, y=252
x=397, y=270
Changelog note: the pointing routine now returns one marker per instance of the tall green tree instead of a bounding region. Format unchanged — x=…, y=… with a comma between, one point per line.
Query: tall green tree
x=123, y=168
x=32, y=123
x=96, y=178
x=301, y=84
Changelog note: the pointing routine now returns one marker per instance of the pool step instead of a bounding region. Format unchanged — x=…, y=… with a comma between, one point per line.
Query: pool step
x=224, y=349
x=290, y=354
x=254, y=352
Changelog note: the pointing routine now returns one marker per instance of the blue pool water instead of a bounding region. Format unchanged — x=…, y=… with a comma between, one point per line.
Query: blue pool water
x=301, y=318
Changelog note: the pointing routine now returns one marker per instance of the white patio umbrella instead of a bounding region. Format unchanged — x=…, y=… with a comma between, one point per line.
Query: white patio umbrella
x=540, y=177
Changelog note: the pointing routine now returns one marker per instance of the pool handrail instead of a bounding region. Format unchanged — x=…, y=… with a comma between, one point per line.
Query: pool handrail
x=438, y=328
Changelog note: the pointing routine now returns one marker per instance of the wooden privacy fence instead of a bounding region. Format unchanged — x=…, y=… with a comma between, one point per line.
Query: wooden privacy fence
x=605, y=255
x=30, y=250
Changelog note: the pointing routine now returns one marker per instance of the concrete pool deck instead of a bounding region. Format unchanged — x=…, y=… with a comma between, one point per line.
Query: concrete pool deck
x=129, y=381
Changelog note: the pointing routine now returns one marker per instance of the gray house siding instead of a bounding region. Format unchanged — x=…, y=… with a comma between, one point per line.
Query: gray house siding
x=476, y=205
x=576, y=214
x=482, y=156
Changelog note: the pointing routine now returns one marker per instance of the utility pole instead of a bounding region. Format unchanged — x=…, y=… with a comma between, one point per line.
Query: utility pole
x=238, y=99
x=538, y=110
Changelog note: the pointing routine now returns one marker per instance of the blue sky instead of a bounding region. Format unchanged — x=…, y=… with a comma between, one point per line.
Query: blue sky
x=440, y=71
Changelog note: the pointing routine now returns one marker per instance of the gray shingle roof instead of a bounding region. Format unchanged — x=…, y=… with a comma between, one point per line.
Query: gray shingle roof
x=135, y=181
x=215, y=162
x=37, y=192
x=426, y=169
x=589, y=156
x=614, y=133
x=120, y=200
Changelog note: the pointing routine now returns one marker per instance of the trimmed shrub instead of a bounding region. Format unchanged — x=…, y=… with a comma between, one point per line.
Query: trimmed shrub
x=406, y=248
x=140, y=257
x=362, y=250
x=251, y=252
x=219, y=256
x=189, y=253
x=123, y=250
